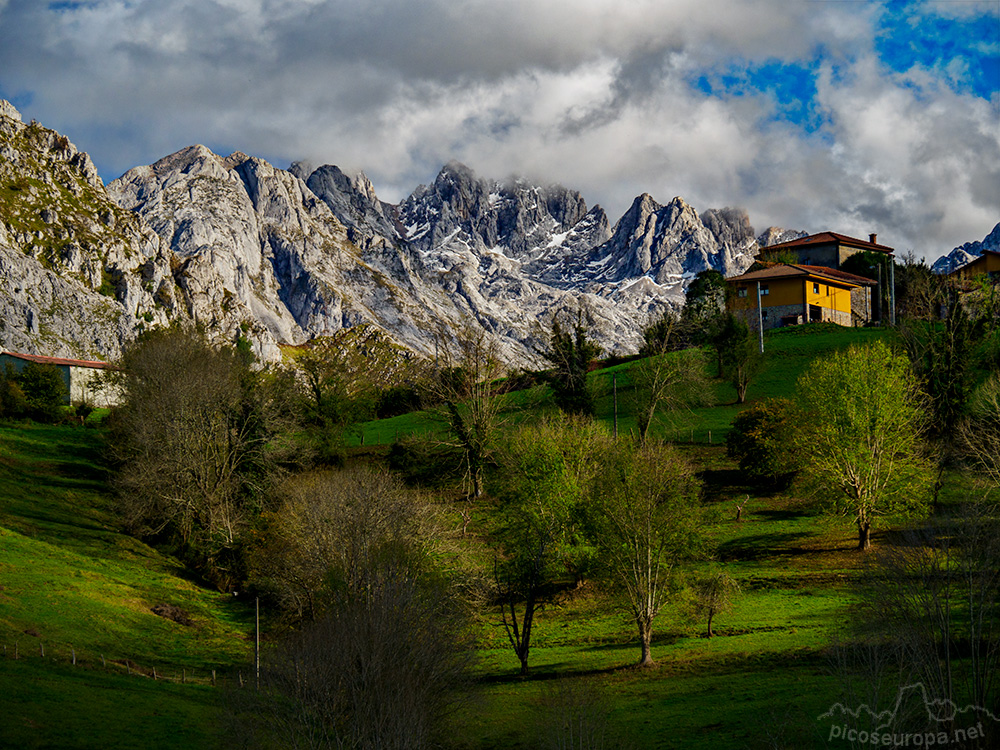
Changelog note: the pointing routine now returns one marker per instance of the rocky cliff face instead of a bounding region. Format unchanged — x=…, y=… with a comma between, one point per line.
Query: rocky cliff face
x=79, y=275
x=280, y=257
x=967, y=253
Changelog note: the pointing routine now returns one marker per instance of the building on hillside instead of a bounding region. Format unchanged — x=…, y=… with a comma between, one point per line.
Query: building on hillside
x=987, y=264
x=824, y=249
x=79, y=375
x=830, y=249
x=782, y=294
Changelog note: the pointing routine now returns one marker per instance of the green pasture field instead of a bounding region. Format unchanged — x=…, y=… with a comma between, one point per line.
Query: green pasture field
x=72, y=582
x=73, y=585
x=787, y=353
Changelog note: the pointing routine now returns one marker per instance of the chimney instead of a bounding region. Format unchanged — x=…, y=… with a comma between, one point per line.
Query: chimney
x=872, y=237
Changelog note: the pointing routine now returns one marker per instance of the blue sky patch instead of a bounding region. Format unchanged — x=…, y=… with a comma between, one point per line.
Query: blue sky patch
x=963, y=52
x=791, y=88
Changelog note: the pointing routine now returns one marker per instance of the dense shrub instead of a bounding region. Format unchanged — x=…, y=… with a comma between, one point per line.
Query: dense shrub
x=44, y=391
x=762, y=440
x=13, y=404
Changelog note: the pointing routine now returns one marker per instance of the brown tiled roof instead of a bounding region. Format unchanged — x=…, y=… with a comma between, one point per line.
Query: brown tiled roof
x=787, y=271
x=825, y=237
x=39, y=359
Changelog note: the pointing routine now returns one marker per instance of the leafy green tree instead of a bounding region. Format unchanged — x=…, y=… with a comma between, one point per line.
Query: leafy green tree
x=645, y=519
x=860, y=433
x=739, y=354
x=544, y=475
x=667, y=381
x=570, y=352
x=44, y=390
x=704, y=306
x=763, y=440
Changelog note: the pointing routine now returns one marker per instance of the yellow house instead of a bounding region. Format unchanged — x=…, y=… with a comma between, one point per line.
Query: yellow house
x=987, y=264
x=795, y=294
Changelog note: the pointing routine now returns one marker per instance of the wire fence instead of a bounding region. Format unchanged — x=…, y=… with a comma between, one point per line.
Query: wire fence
x=36, y=650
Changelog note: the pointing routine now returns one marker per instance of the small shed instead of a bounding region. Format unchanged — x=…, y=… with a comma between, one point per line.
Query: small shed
x=79, y=375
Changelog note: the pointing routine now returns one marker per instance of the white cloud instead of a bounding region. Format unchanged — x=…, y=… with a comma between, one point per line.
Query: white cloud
x=592, y=93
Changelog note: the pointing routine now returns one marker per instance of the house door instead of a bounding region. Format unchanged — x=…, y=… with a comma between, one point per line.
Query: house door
x=815, y=313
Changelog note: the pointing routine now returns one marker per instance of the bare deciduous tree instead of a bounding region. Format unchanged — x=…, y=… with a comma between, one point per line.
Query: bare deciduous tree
x=330, y=529
x=979, y=435
x=387, y=657
x=929, y=614
x=667, y=381
x=196, y=443
x=466, y=383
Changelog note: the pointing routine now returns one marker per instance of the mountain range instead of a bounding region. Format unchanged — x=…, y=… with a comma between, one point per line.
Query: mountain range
x=279, y=257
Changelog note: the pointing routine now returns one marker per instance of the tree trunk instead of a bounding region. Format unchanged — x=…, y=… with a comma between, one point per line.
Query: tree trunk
x=645, y=639
x=864, y=536
x=711, y=614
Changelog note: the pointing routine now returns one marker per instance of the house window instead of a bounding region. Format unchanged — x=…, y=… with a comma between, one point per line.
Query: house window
x=763, y=314
x=815, y=288
x=741, y=292
x=763, y=289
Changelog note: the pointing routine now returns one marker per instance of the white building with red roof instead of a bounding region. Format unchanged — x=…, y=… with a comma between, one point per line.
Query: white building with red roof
x=82, y=377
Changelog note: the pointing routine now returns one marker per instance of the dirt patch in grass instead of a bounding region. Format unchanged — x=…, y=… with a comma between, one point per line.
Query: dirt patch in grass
x=170, y=612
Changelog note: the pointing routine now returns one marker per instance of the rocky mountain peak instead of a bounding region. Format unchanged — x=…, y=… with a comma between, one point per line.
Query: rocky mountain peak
x=777, y=235
x=967, y=253
x=9, y=111
x=81, y=274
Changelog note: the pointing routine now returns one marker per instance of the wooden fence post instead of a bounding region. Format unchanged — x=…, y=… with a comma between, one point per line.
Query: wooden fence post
x=74, y=655
x=213, y=678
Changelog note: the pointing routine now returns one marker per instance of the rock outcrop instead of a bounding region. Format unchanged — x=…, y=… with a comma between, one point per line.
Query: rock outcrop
x=79, y=275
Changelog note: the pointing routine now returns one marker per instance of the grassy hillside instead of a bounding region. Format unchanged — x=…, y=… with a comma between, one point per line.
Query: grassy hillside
x=72, y=584
x=787, y=353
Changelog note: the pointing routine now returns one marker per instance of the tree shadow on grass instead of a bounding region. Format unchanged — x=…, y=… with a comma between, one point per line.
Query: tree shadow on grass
x=763, y=546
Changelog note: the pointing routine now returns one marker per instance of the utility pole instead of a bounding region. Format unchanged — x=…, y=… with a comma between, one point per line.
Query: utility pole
x=256, y=650
x=614, y=391
x=892, y=291
x=760, y=319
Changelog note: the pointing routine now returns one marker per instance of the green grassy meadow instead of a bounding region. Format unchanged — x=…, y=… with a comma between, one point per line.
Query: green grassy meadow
x=72, y=582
